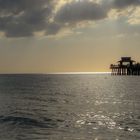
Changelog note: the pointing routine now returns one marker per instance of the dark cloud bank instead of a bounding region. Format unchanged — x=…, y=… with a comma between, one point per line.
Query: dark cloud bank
x=21, y=18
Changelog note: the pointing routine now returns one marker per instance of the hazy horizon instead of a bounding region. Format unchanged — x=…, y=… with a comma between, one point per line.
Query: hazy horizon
x=56, y=73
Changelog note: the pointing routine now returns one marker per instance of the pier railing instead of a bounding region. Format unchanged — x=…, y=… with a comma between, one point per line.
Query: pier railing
x=125, y=69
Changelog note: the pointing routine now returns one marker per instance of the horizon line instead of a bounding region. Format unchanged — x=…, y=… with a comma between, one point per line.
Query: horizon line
x=59, y=73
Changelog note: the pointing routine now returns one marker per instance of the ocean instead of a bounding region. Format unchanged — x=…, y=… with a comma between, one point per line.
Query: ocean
x=69, y=107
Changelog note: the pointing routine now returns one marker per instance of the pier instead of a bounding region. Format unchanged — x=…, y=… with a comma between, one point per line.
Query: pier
x=126, y=66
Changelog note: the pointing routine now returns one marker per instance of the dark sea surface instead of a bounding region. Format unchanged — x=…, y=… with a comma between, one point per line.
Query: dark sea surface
x=69, y=107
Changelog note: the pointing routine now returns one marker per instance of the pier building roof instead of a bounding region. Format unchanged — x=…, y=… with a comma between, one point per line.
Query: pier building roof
x=126, y=59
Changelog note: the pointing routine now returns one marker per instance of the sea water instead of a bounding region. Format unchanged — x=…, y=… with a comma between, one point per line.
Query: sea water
x=69, y=107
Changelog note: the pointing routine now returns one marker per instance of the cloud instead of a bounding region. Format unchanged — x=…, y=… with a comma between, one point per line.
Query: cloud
x=120, y=4
x=129, y=9
x=80, y=11
x=19, y=18
x=24, y=18
x=75, y=12
x=134, y=18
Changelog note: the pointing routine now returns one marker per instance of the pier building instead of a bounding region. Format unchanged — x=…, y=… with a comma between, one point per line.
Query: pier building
x=126, y=66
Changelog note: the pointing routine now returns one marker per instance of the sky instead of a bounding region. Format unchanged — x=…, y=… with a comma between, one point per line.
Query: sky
x=49, y=36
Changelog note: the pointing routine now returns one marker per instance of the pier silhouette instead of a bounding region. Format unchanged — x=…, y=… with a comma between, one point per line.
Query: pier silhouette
x=126, y=66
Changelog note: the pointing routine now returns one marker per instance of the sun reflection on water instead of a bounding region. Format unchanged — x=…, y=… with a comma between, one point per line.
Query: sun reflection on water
x=99, y=121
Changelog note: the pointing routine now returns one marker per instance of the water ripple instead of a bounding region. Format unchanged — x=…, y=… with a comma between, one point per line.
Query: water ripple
x=24, y=121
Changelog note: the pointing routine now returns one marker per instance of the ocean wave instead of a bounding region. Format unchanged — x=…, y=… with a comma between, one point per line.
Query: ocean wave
x=25, y=121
